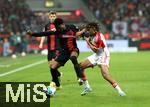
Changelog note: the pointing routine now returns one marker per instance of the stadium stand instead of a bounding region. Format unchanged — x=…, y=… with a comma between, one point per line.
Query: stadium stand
x=123, y=18
x=15, y=15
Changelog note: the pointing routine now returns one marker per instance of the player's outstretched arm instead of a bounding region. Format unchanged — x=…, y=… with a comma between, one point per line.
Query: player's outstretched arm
x=41, y=42
x=41, y=34
x=79, y=33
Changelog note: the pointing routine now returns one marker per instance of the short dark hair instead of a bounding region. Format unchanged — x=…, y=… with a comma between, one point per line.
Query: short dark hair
x=93, y=25
x=52, y=12
x=58, y=21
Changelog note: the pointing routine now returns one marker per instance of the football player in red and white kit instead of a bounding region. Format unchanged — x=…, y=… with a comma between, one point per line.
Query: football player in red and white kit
x=100, y=57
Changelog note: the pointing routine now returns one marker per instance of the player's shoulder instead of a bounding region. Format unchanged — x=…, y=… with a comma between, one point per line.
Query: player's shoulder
x=71, y=26
x=99, y=34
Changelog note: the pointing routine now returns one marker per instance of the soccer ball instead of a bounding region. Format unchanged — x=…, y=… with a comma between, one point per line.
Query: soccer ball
x=14, y=56
x=50, y=91
x=23, y=54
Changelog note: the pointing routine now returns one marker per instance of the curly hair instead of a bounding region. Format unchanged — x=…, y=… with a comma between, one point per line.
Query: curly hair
x=93, y=25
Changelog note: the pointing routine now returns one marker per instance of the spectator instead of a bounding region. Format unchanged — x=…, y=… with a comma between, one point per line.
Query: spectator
x=134, y=14
x=107, y=35
x=6, y=47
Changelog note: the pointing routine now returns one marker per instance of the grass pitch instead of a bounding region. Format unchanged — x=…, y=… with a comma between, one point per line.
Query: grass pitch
x=131, y=70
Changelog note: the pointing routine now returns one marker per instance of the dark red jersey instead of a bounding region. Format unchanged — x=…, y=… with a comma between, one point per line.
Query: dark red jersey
x=65, y=40
x=52, y=40
x=68, y=40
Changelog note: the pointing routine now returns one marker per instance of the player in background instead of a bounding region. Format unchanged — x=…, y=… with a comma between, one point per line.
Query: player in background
x=100, y=57
x=69, y=50
x=49, y=26
x=52, y=43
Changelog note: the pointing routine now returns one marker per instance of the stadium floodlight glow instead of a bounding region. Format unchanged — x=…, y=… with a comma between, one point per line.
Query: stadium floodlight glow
x=78, y=12
x=49, y=3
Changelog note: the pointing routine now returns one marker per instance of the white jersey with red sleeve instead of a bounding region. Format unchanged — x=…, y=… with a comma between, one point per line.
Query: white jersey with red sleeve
x=102, y=56
x=99, y=42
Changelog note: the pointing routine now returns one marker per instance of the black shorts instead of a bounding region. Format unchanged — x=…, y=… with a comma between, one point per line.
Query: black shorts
x=64, y=55
x=52, y=54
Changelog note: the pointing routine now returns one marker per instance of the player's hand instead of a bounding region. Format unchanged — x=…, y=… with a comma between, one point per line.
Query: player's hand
x=54, y=29
x=41, y=46
x=87, y=39
x=86, y=33
x=29, y=32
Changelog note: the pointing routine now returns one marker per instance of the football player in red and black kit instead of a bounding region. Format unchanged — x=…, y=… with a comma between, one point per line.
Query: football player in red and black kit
x=68, y=47
x=52, y=42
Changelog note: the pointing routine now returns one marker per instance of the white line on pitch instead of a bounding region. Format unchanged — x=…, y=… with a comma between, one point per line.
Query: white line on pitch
x=22, y=68
x=8, y=65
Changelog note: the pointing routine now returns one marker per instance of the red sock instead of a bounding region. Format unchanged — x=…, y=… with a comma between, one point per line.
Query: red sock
x=114, y=84
x=84, y=78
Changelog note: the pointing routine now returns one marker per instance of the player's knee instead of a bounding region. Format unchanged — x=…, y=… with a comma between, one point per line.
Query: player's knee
x=49, y=65
x=52, y=65
x=81, y=66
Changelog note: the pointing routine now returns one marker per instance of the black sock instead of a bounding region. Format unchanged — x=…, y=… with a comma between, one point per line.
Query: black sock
x=58, y=73
x=54, y=74
x=76, y=66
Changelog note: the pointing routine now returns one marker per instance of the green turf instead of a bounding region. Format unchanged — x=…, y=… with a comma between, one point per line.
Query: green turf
x=131, y=70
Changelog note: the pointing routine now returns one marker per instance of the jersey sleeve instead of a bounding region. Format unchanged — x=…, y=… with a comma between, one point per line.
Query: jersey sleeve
x=99, y=41
x=41, y=34
x=96, y=42
x=103, y=41
x=73, y=28
x=95, y=39
x=104, y=45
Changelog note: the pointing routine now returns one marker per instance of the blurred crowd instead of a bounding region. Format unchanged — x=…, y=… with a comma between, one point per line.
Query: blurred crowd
x=123, y=18
x=15, y=16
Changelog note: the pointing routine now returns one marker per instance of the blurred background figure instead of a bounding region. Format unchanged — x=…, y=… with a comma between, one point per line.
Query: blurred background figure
x=19, y=44
x=6, y=47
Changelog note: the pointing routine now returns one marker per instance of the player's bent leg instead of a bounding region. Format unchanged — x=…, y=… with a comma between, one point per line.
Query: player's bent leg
x=106, y=75
x=59, y=74
x=74, y=53
x=74, y=60
x=50, y=64
x=83, y=65
x=54, y=65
